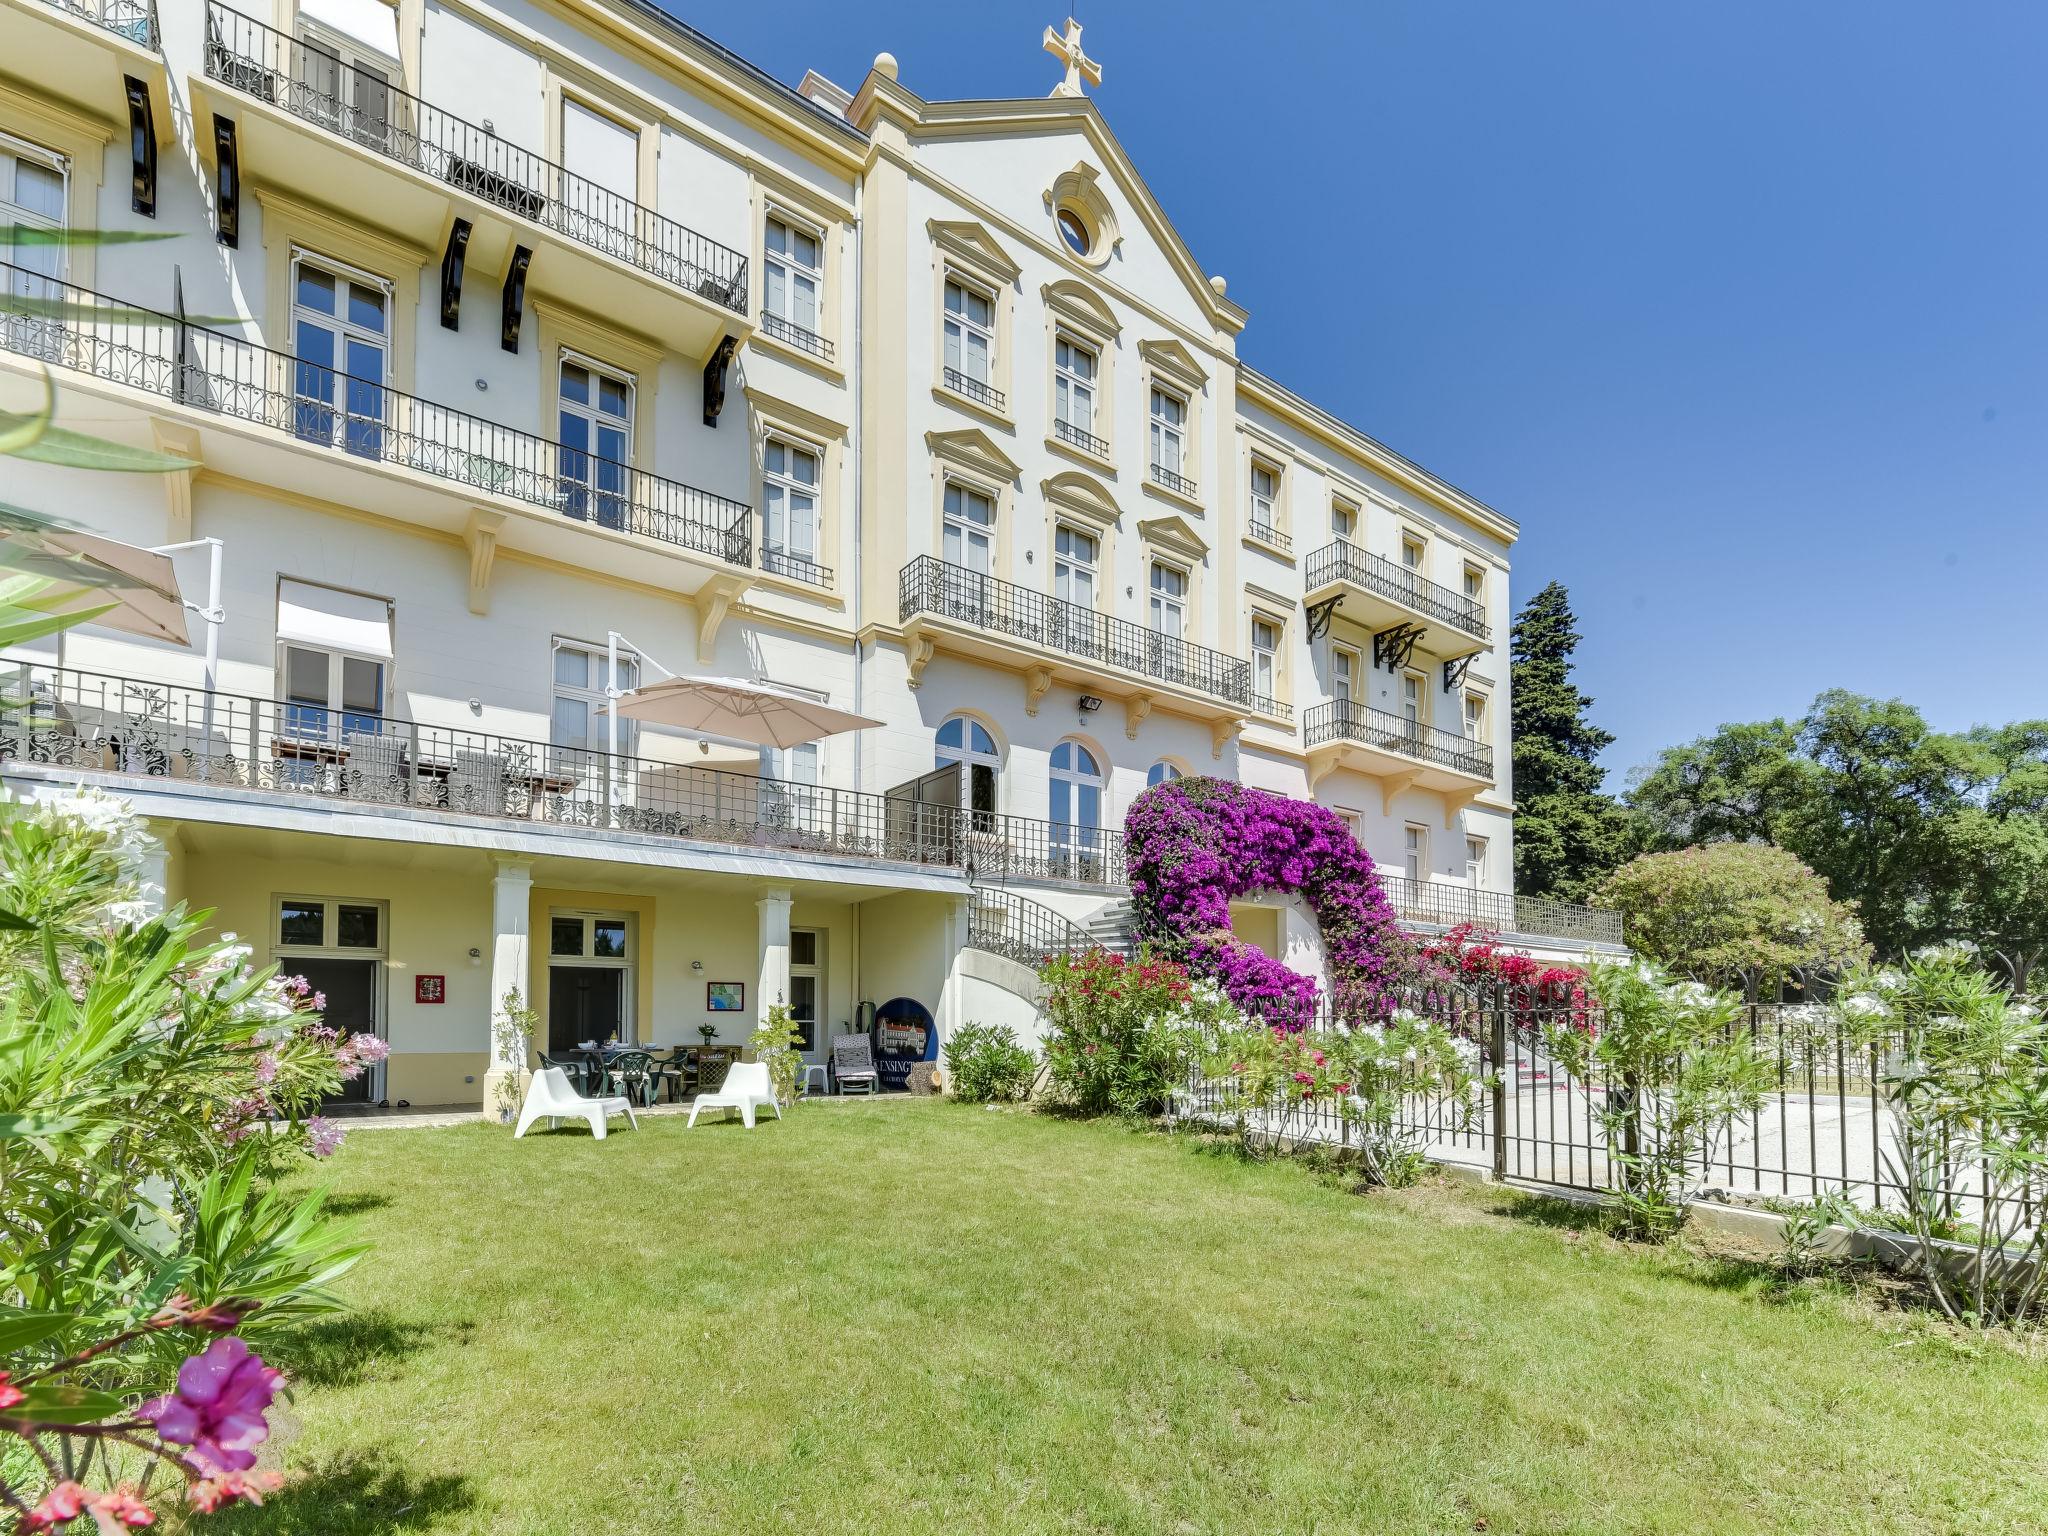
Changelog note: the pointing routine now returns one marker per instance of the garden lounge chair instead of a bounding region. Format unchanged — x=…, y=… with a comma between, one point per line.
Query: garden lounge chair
x=853, y=1064
x=549, y=1094
x=746, y=1089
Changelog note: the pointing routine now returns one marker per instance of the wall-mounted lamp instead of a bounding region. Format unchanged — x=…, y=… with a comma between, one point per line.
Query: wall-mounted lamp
x=476, y=956
x=696, y=965
x=1090, y=703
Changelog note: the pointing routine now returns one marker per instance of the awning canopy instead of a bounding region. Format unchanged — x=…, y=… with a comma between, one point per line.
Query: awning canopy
x=739, y=711
x=334, y=620
x=91, y=573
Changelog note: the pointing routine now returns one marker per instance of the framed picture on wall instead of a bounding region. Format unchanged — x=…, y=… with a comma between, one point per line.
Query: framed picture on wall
x=725, y=996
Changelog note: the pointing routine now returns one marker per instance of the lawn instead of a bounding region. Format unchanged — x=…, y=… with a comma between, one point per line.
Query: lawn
x=918, y=1317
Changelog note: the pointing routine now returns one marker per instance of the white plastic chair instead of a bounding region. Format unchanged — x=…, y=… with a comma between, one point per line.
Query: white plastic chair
x=746, y=1088
x=549, y=1094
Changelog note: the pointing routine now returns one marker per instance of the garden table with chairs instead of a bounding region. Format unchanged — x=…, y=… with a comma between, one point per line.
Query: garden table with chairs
x=641, y=1072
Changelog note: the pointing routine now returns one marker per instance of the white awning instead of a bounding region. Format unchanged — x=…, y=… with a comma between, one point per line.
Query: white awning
x=369, y=22
x=332, y=620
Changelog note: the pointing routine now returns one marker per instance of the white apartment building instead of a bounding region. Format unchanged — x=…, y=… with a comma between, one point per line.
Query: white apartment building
x=507, y=336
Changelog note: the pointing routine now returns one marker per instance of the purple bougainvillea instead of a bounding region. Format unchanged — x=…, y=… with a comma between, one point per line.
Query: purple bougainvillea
x=1198, y=844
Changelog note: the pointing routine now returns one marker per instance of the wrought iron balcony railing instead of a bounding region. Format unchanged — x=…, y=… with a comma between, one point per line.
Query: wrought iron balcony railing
x=783, y=562
x=1173, y=481
x=311, y=84
x=1029, y=932
x=89, y=721
x=1266, y=533
x=1441, y=903
x=791, y=334
x=974, y=389
x=59, y=324
x=931, y=586
x=1346, y=562
x=1340, y=720
x=1076, y=437
x=132, y=19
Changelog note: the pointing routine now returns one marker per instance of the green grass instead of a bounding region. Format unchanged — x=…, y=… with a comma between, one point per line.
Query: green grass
x=918, y=1317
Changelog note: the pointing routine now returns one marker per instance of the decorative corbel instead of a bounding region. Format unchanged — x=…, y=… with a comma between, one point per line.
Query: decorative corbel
x=1136, y=708
x=1222, y=733
x=1455, y=800
x=1391, y=784
x=480, y=534
x=1037, y=684
x=917, y=655
x=714, y=602
x=180, y=442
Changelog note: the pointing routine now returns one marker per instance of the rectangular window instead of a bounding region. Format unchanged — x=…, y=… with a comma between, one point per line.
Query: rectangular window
x=596, y=419
x=969, y=534
x=1073, y=394
x=34, y=193
x=1265, y=658
x=1414, y=553
x=333, y=651
x=1343, y=521
x=1354, y=823
x=1073, y=566
x=795, y=276
x=970, y=335
x=1343, y=670
x=1415, y=852
x=1475, y=861
x=1475, y=583
x=1265, y=492
x=317, y=923
x=806, y=983
x=1475, y=717
x=789, y=510
x=1167, y=612
x=341, y=346
x=1412, y=703
x=578, y=723
x=789, y=783
x=1169, y=431
x=344, y=86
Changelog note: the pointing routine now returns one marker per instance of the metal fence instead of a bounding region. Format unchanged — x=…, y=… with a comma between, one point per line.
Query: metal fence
x=132, y=19
x=315, y=86
x=1346, y=562
x=931, y=586
x=1821, y=1128
x=1029, y=932
x=1442, y=903
x=161, y=354
x=1347, y=720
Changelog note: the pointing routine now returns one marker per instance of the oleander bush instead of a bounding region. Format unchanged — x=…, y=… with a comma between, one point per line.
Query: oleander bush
x=985, y=1064
x=1123, y=1035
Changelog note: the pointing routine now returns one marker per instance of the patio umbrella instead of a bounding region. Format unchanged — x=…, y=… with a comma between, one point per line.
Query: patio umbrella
x=92, y=572
x=759, y=713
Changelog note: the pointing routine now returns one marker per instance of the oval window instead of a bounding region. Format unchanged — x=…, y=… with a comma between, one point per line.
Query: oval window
x=1074, y=230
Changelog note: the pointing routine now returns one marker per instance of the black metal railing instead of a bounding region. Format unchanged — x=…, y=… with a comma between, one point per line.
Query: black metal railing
x=93, y=722
x=1178, y=483
x=931, y=586
x=782, y=562
x=1074, y=436
x=1266, y=704
x=57, y=323
x=1018, y=928
x=1443, y=904
x=1023, y=848
x=974, y=389
x=1340, y=720
x=132, y=19
x=312, y=85
x=792, y=334
x=1346, y=562
x=1266, y=533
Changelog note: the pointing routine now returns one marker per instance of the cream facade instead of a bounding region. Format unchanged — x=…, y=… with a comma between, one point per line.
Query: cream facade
x=504, y=338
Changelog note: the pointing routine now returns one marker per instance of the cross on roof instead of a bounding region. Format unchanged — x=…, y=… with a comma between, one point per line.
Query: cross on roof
x=1067, y=50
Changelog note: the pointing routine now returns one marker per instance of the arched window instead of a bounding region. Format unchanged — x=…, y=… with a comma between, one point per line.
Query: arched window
x=1161, y=772
x=1075, y=810
x=966, y=742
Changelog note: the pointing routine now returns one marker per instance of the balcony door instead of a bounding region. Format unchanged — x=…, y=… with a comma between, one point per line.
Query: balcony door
x=343, y=80
x=338, y=946
x=341, y=329
x=590, y=975
x=967, y=546
x=1166, y=617
x=1075, y=810
x=595, y=409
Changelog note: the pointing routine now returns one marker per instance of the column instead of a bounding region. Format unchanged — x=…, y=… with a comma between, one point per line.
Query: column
x=959, y=915
x=153, y=870
x=772, y=985
x=511, y=897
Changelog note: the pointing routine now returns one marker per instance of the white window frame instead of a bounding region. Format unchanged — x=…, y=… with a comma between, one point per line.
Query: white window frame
x=775, y=539
x=1475, y=582
x=970, y=529
x=1162, y=432
x=793, y=269
x=969, y=757
x=13, y=150
x=1069, y=385
x=593, y=694
x=1415, y=851
x=1344, y=674
x=958, y=325
x=330, y=946
x=1473, y=714
x=1415, y=690
x=1158, y=602
x=1265, y=656
x=1343, y=521
x=344, y=330
x=349, y=118
x=1475, y=860
x=1264, y=505
x=336, y=715
x=815, y=970
x=1165, y=771
x=1070, y=571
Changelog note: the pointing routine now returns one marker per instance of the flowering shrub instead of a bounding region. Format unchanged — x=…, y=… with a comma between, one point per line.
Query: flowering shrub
x=1197, y=844
x=150, y=1083
x=986, y=1065
x=1536, y=993
x=1124, y=1034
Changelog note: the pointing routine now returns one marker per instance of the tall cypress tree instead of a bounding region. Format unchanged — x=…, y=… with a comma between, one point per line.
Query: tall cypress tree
x=1567, y=833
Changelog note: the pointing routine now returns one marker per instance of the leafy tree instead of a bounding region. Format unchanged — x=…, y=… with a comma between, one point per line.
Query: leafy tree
x=1730, y=913
x=1567, y=832
x=1747, y=783
x=1994, y=887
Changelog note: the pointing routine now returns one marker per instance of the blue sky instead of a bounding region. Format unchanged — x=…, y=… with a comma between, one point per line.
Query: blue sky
x=1741, y=311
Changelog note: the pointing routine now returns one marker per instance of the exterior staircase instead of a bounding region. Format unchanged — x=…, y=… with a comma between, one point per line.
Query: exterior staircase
x=1114, y=928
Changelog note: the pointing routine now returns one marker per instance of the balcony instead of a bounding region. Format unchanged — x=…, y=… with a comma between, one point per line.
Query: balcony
x=984, y=395
x=328, y=418
x=1439, y=903
x=974, y=615
x=86, y=50
x=90, y=722
x=790, y=334
x=307, y=120
x=1379, y=594
x=1394, y=749
x=1075, y=437
x=1171, y=480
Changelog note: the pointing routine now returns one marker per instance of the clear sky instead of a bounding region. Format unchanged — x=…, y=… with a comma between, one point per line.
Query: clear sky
x=1741, y=311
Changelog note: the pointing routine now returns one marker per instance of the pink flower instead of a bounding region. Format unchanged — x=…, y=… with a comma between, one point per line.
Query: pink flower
x=368, y=1048
x=218, y=1407
x=319, y=1002
x=323, y=1136
x=63, y=1502
x=112, y=1512
x=10, y=1394
x=266, y=1067
x=223, y=1488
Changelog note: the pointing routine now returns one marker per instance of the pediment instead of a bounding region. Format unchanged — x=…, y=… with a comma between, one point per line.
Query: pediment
x=1176, y=533
x=1175, y=361
x=1082, y=305
x=973, y=449
x=972, y=243
x=1082, y=494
